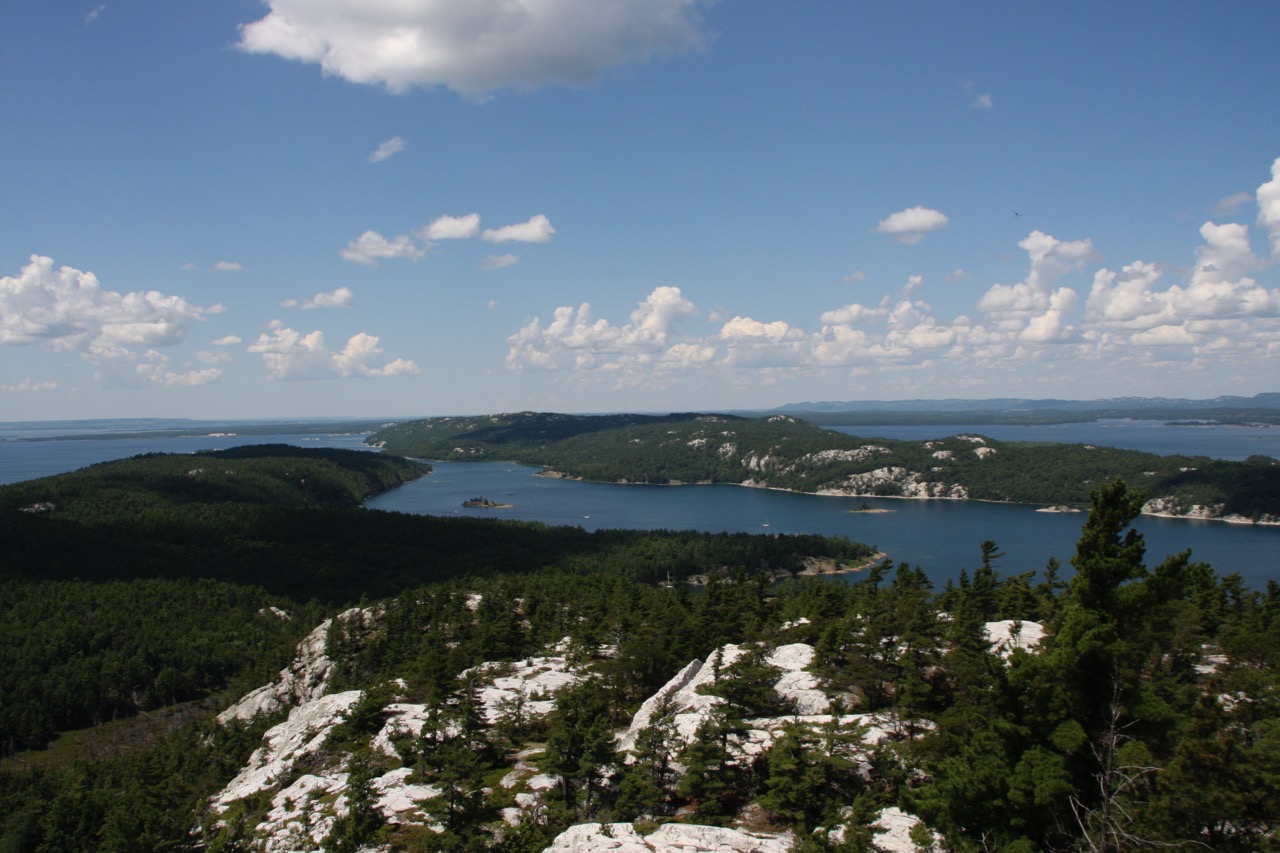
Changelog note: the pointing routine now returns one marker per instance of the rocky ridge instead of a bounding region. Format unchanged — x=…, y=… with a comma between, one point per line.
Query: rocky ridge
x=307, y=782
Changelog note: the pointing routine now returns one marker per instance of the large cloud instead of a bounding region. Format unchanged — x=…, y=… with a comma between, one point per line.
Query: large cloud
x=473, y=46
x=67, y=309
x=574, y=338
x=1269, y=207
x=290, y=354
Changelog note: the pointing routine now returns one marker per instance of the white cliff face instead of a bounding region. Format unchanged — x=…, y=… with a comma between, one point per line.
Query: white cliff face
x=305, y=679
x=285, y=744
x=668, y=838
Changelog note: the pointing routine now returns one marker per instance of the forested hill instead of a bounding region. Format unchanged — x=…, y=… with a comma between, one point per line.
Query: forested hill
x=780, y=451
x=266, y=474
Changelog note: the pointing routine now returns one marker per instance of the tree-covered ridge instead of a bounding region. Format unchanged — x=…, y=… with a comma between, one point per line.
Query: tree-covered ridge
x=1146, y=717
x=134, y=584
x=265, y=474
x=782, y=452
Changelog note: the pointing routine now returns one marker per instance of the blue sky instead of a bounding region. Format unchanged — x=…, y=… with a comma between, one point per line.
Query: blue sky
x=298, y=208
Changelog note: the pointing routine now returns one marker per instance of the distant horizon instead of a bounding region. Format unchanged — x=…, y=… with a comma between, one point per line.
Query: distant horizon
x=795, y=406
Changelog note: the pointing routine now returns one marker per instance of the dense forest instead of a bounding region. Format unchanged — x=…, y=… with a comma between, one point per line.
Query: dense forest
x=782, y=452
x=1148, y=715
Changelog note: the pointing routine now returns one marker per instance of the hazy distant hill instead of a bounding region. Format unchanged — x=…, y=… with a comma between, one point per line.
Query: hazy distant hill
x=1260, y=408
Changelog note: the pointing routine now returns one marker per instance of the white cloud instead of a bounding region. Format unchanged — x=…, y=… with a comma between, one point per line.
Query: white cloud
x=94, y=13
x=339, y=298
x=982, y=102
x=497, y=262
x=227, y=266
x=1051, y=259
x=390, y=148
x=227, y=341
x=124, y=368
x=29, y=384
x=371, y=247
x=536, y=230
x=574, y=336
x=854, y=277
x=958, y=274
x=67, y=309
x=290, y=354
x=745, y=328
x=1216, y=317
x=476, y=46
x=452, y=227
x=909, y=226
x=1269, y=207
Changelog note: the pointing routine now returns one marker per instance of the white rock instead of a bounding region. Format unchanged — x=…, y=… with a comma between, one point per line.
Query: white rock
x=1004, y=640
x=894, y=835
x=399, y=801
x=305, y=679
x=668, y=838
x=302, y=734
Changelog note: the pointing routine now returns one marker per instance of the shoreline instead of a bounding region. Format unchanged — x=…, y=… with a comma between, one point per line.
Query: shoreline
x=1241, y=521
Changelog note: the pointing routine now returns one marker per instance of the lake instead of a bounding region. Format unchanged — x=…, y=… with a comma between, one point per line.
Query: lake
x=942, y=537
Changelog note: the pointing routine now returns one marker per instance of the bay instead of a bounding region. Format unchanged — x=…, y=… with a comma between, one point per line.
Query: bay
x=942, y=537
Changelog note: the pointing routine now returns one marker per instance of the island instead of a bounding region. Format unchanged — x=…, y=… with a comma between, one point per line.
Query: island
x=484, y=503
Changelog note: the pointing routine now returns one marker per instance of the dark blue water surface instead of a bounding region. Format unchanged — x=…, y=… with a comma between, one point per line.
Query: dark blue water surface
x=942, y=537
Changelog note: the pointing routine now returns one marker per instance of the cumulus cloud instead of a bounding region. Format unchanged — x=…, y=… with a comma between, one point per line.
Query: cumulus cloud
x=911, y=225
x=1269, y=207
x=390, y=148
x=452, y=227
x=290, y=354
x=339, y=298
x=1051, y=259
x=371, y=247
x=497, y=262
x=575, y=338
x=227, y=341
x=227, y=266
x=68, y=309
x=473, y=47
x=536, y=230
x=1139, y=320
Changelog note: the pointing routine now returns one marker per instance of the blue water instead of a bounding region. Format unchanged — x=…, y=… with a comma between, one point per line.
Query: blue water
x=942, y=537
x=26, y=460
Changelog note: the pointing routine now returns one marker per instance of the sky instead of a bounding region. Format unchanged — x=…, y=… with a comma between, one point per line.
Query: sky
x=407, y=208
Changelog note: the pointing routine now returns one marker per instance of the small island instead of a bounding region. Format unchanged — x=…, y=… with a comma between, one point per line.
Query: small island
x=484, y=503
